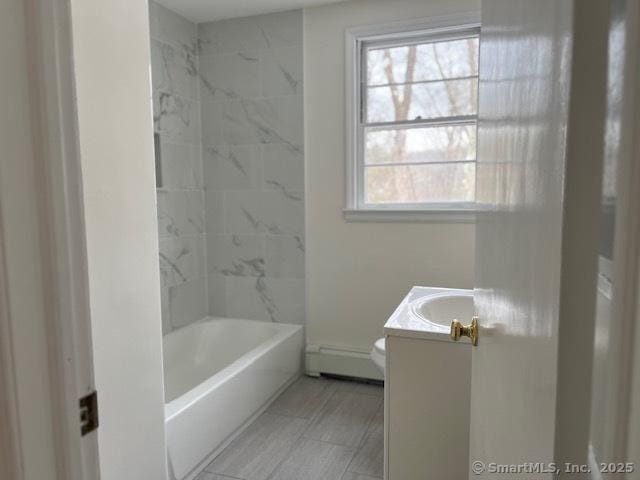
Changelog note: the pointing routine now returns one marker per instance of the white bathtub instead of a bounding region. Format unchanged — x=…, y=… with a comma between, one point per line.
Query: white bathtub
x=219, y=373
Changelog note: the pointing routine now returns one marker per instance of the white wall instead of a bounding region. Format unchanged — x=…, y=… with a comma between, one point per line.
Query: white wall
x=357, y=273
x=111, y=49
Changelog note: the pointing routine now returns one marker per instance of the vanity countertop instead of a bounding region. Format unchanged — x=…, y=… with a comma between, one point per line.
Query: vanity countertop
x=405, y=322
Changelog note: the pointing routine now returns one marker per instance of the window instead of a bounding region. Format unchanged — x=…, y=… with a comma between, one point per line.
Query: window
x=413, y=111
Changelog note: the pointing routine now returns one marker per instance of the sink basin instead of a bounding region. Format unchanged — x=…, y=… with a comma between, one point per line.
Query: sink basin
x=441, y=308
x=427, y=313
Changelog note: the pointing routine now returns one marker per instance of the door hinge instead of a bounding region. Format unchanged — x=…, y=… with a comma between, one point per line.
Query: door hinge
x=89, y=413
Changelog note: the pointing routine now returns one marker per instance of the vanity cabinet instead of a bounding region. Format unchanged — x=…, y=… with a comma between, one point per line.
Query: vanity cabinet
x=427, y=401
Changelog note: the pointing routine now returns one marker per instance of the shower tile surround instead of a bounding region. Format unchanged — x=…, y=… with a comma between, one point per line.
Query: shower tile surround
x=180, y=178
x=228, y=109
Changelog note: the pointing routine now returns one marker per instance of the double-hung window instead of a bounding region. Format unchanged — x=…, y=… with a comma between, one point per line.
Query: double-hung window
x=412, y=112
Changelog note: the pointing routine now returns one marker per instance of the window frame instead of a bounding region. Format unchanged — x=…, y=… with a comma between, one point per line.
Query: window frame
x=432, y=28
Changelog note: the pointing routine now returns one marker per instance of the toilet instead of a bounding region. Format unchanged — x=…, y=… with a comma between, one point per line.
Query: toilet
x=378, y=354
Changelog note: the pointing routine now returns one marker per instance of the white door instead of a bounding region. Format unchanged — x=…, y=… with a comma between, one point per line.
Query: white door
x=46, y=366
x=541, y=123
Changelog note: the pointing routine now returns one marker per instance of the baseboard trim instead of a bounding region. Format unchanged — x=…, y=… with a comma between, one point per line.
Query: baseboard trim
x=349, y=362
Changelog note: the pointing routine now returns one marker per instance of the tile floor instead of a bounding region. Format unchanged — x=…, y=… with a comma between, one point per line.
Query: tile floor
x=318, y=429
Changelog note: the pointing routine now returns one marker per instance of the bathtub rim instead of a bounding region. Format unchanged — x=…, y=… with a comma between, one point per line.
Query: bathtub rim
x=192, y=396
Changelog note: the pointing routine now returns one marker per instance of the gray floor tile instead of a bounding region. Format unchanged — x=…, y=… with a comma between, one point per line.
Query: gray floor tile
x=304, y=398
x=344, y=419
x=357, y=476
x=370, y=389
x=345, y=386
x=259, y=449
x=313, y=460
x=370, y=458
x=213, y=476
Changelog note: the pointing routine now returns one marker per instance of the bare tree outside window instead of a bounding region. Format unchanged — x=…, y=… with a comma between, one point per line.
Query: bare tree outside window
x=420, y=124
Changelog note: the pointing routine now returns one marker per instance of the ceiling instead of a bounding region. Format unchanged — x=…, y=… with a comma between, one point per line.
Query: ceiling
x=207, y=10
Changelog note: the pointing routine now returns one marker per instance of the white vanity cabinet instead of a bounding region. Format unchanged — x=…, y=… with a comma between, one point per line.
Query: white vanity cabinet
x=427, y=395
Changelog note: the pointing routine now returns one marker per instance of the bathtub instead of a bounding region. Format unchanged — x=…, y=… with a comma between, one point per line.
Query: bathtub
x=219, y=374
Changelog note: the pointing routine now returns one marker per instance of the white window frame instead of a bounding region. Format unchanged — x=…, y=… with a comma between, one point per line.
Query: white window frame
x=355, y=209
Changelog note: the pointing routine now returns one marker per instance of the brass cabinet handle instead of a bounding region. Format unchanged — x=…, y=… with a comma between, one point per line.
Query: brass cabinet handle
x=458, y=330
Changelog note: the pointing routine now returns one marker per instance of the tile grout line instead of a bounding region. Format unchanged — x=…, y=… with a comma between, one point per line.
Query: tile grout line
x=303, y=437
x=361, y=443
x=364, y=438
x=356, y=448
x=218, y=475
x=317, y=413
x=371, y=422
x=314, y=415
x=293, y=446
x=286, y=457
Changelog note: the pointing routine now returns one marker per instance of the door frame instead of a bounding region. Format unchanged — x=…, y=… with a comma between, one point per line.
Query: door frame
x=10, y=438
x=624, y=343
x=59, y=219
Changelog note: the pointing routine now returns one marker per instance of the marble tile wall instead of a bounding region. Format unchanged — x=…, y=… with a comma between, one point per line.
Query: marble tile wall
x=180, y=177
x=251, y=85
x=228, y=115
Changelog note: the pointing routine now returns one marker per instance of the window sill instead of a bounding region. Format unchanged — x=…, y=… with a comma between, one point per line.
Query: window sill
x=409, y=216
